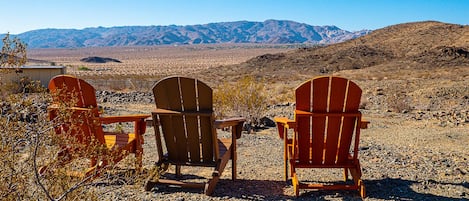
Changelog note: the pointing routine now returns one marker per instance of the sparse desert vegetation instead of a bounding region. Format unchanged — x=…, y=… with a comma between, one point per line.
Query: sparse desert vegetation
x=415, y=81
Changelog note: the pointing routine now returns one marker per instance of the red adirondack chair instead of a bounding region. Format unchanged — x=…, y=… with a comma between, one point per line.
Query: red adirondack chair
x=327, y=121
x=77, y=98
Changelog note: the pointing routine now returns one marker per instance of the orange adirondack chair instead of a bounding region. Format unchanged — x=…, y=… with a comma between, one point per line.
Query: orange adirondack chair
x=77, y=98
x=184, y=113
x=327, y=121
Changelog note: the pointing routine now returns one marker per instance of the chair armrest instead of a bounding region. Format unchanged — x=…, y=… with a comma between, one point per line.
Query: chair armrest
x=282, y=124
x=139, y=122
x=159, y=111
x=124, y=118
x=364, y=124
x=229, y=122
x=285, y=122
x=235, y=123
x=56, y=107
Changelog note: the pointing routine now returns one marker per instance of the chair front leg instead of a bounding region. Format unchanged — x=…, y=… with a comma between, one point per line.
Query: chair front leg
x=139, y=130
x=285, y=152
x=235, y=133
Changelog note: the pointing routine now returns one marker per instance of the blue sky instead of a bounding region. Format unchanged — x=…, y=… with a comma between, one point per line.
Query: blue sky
x=19, y=16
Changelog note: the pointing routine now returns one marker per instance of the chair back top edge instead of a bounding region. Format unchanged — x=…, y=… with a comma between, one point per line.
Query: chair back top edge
x=328, y=94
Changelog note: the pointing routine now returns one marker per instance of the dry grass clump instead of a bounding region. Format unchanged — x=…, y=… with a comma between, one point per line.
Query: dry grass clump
x=246, y=97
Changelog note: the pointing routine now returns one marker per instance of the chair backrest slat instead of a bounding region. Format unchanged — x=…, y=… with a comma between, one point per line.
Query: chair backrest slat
x=188, y=89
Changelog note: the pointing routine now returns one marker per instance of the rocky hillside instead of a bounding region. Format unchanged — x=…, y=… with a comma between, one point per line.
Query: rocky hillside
x=270, y=31
x=419, y=45
x=421, y=69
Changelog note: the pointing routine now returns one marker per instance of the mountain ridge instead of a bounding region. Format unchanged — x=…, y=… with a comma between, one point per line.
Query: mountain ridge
x=268, y=32
x=413, y=45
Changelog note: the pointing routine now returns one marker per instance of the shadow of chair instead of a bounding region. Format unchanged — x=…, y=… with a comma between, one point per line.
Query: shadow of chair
x=401, y=189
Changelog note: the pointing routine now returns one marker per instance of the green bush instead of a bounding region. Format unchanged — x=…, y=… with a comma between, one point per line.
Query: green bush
x=84, y=68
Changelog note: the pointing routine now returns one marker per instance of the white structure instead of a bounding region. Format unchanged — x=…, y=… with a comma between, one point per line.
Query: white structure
x=41, y=73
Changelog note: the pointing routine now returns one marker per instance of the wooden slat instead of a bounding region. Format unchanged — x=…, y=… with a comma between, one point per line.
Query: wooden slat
x=337, y=94
x=317, y=145
x=208, y=138
x=114, y=140
x=193, y=142
x=189, y=99
x=178, y=126
x=352, y=104
x=188, y=93
x=303, y=103
x=303, y=139
x=74, y=90
x=88, y=94
x=303, y=97
x=338, y=90
x=332, y=139
x=205, y=98
x=348, y=129
x=320, y=94
x=167, y=131
x=353, y=98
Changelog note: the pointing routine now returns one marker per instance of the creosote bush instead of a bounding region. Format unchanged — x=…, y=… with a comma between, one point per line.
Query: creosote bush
x=28, y=142
x=399, y=102
x=13, y=53
x=246, y=98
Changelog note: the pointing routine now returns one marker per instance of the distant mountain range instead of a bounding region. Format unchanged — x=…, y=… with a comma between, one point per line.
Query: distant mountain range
x=267, y=32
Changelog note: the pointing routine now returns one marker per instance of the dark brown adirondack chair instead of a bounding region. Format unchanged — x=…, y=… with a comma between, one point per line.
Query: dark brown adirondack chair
x=327, y=121
x=184, y=113
x=77, y=98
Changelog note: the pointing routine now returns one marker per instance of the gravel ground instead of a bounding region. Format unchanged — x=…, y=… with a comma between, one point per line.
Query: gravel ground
x=401, y=159
x=404, y=156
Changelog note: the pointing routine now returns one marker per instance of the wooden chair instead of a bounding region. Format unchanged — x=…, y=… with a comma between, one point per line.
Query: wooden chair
x=327, y=121
x=184, y=113
x=74, y=112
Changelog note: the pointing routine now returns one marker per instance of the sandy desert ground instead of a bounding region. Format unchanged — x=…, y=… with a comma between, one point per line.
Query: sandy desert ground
x=414, y=149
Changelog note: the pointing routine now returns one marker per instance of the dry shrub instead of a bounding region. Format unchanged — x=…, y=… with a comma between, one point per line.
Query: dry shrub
x=281, y=94
x=13, y=53
x=246, y=98
x=28, y=142
x=29, y=150
x=399, y=102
